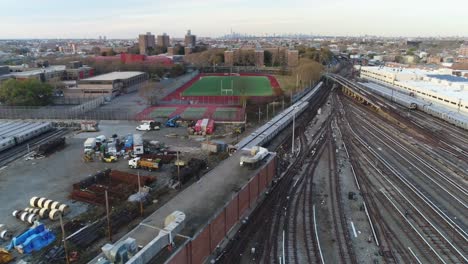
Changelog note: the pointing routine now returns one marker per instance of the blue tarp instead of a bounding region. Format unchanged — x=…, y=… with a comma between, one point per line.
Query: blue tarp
x=35, y=239
x=129, y=141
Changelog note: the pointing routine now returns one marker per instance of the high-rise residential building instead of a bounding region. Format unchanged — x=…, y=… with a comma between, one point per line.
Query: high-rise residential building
x=190, y=40
x=146, y=41
x=163, y=40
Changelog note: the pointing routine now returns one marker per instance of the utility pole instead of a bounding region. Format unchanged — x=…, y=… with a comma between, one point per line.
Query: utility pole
x=108, y=216
x=259, y=114
x=64, y=240
x=178, y=170
x=139, y=193
x=267, y=113
x=293, y=128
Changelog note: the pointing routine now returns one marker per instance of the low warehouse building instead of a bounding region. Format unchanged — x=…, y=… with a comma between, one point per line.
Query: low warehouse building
x=108, y=85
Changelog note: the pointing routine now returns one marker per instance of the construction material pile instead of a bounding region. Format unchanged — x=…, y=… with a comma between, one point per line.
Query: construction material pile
x=50, y=146
x=119, y=185
x=193, y=168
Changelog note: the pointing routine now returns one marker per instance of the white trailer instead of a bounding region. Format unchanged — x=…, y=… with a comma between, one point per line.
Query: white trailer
x=138, y=148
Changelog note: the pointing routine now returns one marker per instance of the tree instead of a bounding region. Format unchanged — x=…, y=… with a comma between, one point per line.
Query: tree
x=177, y=70
x=268, y=57
x=30, y=92
x=150, y=92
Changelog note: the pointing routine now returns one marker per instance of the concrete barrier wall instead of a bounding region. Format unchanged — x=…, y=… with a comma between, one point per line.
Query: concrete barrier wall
x=206, y=241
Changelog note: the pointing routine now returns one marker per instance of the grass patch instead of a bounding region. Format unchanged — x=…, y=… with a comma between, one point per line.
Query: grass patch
x=241, y=85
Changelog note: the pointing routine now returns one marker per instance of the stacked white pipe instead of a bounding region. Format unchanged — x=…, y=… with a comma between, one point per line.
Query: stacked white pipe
x=56, y=208
x=5, y=234
x=42, y=212
x=25, y=216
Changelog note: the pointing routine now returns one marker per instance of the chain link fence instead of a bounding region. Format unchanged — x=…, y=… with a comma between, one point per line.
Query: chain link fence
x=81, y=111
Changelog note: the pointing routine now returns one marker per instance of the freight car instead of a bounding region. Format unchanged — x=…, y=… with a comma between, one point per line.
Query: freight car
x=16, y=133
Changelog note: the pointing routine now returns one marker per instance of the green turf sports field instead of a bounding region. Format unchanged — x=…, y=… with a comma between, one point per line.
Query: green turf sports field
x=247, y=85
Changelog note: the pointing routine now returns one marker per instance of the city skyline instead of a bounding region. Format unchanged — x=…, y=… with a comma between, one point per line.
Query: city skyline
x=209, y=18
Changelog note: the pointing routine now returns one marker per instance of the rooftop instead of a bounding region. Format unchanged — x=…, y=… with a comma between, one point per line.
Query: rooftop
x=114, y=76
x=446, y=77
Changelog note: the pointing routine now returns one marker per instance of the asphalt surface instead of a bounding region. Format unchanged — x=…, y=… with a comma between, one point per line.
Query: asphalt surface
x=199, y=202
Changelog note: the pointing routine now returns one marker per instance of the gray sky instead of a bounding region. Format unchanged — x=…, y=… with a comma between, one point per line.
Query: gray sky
x=126, y=19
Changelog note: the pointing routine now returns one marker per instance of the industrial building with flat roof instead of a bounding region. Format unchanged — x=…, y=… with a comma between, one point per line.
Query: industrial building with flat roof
x=108, y=85
x=439, y=87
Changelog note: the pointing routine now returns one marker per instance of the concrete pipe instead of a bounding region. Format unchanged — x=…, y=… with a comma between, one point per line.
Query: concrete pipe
x=55, y=205
x=25, y=216
x=34, y=201
x=44, y=212
x=48, y=204
x=54, y=214
x=5, y=235
x=41, y=201
x=41, y=212
x=64, y=209
x=32, y=210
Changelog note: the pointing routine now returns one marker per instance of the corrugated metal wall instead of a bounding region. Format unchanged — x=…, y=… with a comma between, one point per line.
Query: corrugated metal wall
x=206, y=241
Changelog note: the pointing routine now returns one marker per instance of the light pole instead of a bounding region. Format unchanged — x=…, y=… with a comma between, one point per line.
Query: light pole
x=293, y=128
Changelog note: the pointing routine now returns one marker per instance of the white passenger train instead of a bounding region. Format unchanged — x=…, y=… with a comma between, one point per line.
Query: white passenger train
x=14, y=133
x=269, y=130
x=448, y=115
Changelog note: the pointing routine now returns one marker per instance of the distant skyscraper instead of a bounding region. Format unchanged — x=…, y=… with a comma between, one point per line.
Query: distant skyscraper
x=145, y=42
x=190, y=40
x=163, y=40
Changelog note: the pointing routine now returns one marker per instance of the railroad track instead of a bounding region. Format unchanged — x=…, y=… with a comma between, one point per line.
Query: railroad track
x=426, y=218
x=21, y=150
x=444, y=194
x=300, y=245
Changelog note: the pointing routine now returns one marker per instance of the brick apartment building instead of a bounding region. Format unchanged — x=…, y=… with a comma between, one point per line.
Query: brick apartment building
x=190, y=40
x=146, y=41
x=163, y=40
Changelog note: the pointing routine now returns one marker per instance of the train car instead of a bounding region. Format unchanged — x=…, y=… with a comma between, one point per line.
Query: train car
x=14, y=133
x=7, y=143
x=269, y=130
x=451, y=117
x=33, y=132
x=394, y=96
x=13, y=128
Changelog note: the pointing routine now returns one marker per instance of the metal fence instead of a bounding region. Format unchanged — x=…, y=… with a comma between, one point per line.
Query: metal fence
x=81, y=111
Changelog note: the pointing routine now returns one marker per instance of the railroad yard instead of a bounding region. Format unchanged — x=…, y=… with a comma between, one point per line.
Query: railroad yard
x=367, y=186
x=340, y=176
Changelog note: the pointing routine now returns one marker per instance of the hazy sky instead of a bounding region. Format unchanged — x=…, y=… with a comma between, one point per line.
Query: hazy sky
x=126, y=19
